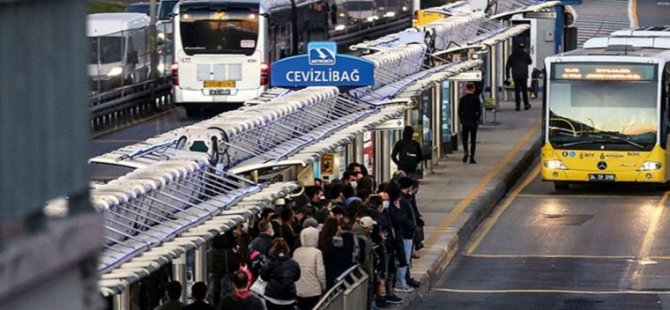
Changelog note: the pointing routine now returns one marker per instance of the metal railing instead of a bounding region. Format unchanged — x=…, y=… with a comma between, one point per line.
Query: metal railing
x=349, y=292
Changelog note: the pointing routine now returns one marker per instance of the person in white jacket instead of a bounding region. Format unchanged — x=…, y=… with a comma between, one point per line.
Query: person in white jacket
x=312, y=281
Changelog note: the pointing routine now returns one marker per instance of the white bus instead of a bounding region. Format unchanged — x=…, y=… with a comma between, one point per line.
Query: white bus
x=223, y=48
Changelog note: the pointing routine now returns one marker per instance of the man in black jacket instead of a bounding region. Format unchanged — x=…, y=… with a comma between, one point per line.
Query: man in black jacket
x=469, y=111
x=518, y=62
x=407, y=153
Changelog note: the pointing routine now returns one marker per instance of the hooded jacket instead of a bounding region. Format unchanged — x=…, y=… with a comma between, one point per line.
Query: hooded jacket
x=312, y=271
x=407, y=153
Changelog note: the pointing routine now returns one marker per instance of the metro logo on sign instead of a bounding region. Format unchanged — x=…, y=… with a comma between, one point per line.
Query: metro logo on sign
x=322, y=66
x=322, y=53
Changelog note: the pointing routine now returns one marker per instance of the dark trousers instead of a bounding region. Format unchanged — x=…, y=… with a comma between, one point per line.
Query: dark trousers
x=308, y=303
x=520, y=85
x=469, y=133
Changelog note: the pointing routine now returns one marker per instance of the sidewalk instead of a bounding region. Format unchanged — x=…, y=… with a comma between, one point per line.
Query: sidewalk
x=457, y=196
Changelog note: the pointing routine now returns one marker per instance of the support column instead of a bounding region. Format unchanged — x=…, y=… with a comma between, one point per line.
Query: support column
x=122, y=301
x=358, y=148
x=455, y=127
x=505, y=53
x=179, y=274
x=437, y=123
x=201, y=263
x=494, y=79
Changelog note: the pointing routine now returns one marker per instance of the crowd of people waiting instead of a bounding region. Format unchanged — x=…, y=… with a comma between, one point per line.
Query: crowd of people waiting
x=300, y=247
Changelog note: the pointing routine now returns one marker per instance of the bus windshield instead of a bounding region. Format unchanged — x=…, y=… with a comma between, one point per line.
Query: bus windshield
x=597, y=114
x=222, y=31
x=106, y=50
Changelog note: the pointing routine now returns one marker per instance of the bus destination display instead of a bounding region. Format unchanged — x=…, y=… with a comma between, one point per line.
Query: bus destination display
x=603, y=72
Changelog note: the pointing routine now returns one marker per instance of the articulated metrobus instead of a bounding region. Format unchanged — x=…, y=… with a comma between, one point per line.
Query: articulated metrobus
x=605, y=117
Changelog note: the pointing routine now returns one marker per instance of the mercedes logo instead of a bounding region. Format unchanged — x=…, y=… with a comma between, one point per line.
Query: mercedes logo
x=602, y=165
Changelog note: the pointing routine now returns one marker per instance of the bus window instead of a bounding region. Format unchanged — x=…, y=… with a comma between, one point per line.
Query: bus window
x=220, y=31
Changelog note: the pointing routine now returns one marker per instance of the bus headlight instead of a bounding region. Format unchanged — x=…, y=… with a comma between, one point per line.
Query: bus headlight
x=555, y=164
x=650, y=165
x=115, y=71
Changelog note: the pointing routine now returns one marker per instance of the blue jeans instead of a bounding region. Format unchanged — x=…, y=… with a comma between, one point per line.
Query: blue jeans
x=401, y=275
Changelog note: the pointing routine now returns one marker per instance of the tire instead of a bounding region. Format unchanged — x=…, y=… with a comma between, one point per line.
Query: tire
x=561, y=186
x=193, y=110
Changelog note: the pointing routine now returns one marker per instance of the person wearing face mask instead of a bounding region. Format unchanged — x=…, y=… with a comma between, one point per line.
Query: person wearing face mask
x=350, y=178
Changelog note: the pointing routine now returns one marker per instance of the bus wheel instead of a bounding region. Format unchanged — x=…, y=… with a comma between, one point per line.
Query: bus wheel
x=561, y=186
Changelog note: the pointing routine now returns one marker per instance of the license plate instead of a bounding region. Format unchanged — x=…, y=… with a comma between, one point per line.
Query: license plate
x=219, y=92
x=601, y=178
x=219, y=84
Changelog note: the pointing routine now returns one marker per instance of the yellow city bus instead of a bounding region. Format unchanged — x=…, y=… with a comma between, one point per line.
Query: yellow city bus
x=605, y=115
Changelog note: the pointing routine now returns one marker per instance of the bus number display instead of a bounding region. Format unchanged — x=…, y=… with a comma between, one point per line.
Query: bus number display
x=603, y=72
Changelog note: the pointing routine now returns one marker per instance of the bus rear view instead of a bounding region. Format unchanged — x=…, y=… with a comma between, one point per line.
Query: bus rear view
x=218, y=58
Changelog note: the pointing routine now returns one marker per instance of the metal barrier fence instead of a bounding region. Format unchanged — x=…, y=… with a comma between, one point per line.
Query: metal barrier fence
x=349, y=292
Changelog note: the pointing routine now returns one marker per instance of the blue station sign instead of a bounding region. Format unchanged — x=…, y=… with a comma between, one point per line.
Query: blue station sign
x=322, y=66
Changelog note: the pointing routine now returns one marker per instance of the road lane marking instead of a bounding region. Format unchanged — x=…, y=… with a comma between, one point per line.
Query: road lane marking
x=649, y=236
x=551, y=291
x=497, y=213
x=117, y=141
x=472, y=195
x=573, y=196
x=548, y=256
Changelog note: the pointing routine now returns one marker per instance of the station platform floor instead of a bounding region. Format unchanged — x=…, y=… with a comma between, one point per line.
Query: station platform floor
x=456, y=196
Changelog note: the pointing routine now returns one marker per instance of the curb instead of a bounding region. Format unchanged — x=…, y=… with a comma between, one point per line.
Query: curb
x=481, y=207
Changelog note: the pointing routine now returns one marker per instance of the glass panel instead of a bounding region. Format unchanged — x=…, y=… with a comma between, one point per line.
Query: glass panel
x=111, y=49
x=589, y=114
x=222, y=31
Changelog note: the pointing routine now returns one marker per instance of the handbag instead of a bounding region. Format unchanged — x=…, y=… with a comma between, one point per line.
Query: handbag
x=259, y=287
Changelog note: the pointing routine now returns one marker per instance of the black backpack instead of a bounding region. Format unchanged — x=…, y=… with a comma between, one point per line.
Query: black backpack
x=408, y=153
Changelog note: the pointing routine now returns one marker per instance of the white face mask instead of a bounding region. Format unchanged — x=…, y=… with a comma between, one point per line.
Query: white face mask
x=354, y=184
x=385, y=204
x=322, y=197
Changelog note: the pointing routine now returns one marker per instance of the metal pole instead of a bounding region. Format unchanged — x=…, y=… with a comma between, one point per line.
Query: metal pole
x=201, y=263
x=494, y=79
x=437, y=122
x=505, y=48
x=455, y=129
x=153, y=39
x=122, y=301
x=179, y=274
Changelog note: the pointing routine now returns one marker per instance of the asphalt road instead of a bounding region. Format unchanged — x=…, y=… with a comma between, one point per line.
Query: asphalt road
x=652, y=12
x=592, y=247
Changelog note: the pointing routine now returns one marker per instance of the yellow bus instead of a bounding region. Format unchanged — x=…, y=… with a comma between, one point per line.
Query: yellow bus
x=605, y=114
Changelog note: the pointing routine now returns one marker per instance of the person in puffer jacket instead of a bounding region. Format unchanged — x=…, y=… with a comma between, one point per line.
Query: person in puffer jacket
x=312, y=281
x=280, y=272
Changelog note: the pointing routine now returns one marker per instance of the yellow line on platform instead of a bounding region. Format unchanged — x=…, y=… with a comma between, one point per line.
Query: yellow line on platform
x=497, y=213
x=470, y=196
x=546, y=256
x=551, y=291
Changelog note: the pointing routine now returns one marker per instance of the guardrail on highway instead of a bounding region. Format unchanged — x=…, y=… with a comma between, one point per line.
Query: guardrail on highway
x=128, y=103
